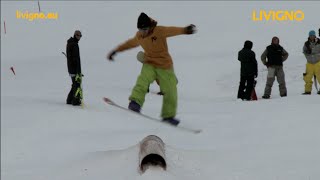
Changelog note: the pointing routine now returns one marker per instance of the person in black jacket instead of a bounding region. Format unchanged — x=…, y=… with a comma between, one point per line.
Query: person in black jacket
x=249, y=71
x=273, y=57
x=74, y=69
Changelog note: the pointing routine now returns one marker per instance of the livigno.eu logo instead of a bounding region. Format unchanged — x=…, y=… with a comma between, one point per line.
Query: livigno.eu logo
x=30, y=16
x=277, y=15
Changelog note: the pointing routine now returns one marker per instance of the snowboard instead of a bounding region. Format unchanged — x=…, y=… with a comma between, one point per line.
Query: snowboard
x=112, y=103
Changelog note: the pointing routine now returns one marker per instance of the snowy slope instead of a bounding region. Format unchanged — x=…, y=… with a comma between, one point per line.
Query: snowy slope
x=43, y=138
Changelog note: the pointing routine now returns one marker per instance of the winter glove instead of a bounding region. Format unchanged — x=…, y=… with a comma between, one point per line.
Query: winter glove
x=191, y=29
x=255, y=75
x=78, y=78
x=111, y=54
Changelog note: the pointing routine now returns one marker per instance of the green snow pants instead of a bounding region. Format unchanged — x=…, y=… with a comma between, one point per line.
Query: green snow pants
x=168, y=86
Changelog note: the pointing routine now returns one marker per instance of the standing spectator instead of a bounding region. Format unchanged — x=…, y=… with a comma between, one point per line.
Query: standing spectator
x=249, y=71
x=273, y=57
x=311, y=50
x=74, y=69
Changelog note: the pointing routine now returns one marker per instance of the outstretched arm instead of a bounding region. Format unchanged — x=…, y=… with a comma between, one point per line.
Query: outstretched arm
x=174, y=31
x=131, y=43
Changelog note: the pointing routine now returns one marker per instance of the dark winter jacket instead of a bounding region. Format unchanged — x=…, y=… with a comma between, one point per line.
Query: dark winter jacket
x=275, y=54
x=73, y=56
x=249, y=65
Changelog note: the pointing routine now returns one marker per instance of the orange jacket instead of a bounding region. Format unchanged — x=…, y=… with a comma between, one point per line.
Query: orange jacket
x=154, y=45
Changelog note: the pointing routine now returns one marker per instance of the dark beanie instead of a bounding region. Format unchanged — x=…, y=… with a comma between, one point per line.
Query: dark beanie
x=248, y=45
x=143, y=21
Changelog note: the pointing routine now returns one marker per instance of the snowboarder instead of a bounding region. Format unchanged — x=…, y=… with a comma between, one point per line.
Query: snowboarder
x=249, y=71
x=74, y=69
x=311, y=50
x=273, y=57
x=157, y=64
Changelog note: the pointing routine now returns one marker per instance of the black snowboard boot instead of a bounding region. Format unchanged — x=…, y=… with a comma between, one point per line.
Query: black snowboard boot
x=171, y=120
x=133, y=106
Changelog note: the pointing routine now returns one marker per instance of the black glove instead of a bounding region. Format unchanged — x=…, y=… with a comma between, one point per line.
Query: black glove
x=255, y=75
x=319, y=31
x=191, y=29
x=111, y=54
